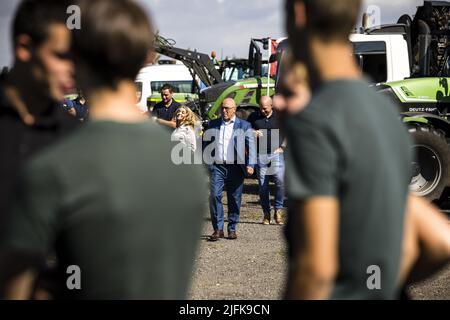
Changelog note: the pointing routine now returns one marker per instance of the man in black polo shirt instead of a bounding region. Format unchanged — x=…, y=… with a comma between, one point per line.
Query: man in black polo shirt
x=254, y=116
x=164, y=111
x=270, y=159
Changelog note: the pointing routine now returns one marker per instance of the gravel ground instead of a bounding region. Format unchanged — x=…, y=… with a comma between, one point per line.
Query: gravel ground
x=253, y=267
x=436, y=288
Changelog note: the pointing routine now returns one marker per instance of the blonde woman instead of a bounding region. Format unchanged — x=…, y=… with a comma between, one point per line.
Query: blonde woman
x=185, y=127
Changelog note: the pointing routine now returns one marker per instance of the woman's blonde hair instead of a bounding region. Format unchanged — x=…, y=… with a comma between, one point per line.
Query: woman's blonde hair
x=191, y=119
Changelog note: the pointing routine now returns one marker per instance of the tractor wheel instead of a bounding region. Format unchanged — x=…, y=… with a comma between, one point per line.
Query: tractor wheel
x=244, y=112
x=431, y=166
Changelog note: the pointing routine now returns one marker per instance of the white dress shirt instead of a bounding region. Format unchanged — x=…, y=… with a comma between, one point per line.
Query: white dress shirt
x=225, y=145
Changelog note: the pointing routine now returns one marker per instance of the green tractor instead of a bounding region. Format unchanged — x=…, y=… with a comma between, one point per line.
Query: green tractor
x=410, y=63
x=259, y=80
x=423, y=104
x=424, y=97
x=211, y=82
x=246, y=93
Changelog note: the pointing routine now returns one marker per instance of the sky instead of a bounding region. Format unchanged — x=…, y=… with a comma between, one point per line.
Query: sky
x=224, y=26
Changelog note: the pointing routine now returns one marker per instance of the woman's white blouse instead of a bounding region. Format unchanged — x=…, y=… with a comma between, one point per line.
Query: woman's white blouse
x=186, y=136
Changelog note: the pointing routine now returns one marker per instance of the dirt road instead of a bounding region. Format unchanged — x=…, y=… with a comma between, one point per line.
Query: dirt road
x=253, y=267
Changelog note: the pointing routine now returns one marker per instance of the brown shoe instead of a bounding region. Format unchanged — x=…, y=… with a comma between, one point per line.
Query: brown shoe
x=216, y=235
x=232, y=235
x=278, y=218
x=266, y=220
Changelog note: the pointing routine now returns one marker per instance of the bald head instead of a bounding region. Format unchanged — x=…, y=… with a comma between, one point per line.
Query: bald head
x=228, y=109
x=265, y=104
x=265, y=100
x=229, y=102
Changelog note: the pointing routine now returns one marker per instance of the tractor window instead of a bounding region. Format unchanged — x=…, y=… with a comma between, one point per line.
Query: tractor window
x=178, y=86
x=374, y=65
x=372, y=58
x=234, y=74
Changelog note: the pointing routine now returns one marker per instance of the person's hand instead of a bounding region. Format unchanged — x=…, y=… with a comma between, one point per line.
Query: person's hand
x=72, y=112
x=258, y=134
x=250, y=171
x=28, y=119
x=278, y=151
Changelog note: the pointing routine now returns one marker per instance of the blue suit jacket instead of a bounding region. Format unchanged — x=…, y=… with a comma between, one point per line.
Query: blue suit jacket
x=242, y=131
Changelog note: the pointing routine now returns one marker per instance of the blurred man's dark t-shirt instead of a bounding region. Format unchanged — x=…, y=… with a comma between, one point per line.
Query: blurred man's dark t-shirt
x=113, y=204
x=165, y=113
x=19, y=142
x=350, y=144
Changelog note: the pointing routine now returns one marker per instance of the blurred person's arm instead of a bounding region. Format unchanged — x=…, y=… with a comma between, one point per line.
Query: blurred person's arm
x=314, y=248
x=426, y=247
x=19, y=105
x=312, y=160
x=19, y=286
x=28, y=230
x=171, y=124
x=18, y=270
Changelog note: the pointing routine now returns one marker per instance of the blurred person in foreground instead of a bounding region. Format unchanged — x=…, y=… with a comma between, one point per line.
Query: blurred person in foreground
x=31, y=93
x=348, y=171
x=111, y=211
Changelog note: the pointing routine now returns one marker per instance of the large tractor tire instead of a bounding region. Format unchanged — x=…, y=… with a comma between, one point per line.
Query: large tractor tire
x=243, y=112
x=431, y=166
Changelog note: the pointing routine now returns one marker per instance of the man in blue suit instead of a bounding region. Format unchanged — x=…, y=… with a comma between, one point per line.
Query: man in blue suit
x=232, y=153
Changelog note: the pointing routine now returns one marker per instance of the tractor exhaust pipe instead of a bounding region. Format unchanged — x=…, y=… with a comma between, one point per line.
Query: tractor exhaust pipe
x=365, y=22
x=424, y=49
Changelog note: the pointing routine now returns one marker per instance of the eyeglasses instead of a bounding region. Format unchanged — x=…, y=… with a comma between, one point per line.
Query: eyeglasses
x=227, y=108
